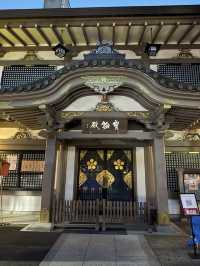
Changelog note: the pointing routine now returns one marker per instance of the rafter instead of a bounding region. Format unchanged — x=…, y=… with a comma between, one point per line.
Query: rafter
x=157, y=32
x=128, y=33
x=84, y=33
x=190, y=28
x=12, y=32
x=142, y=34
x=174, y=28
x=41, y=32
x=113, y=33
x=195, y=38
x=71, y=35
x=99, y=32
x=57, y=33
x=6, y=39
x=30, y=36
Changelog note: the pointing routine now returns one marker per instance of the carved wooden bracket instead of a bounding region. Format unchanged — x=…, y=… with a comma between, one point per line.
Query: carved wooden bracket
x=51, y=119
x=157, y=121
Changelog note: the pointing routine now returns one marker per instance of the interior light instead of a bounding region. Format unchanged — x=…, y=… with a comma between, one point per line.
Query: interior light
x=152, y=49
x=60, y=50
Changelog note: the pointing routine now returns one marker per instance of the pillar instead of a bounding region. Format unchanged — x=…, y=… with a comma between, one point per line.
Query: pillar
x=150, y=177
x=70, y=173
x=61, y=171
x=140, y=167
x=161, y=180
x=1, y=73
x=48, y=179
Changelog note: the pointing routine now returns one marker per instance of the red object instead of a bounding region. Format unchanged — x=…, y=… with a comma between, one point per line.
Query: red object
x=191, y=211
x=4, y=168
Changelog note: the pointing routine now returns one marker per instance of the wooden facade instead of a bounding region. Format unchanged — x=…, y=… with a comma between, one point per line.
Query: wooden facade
x=106, y=52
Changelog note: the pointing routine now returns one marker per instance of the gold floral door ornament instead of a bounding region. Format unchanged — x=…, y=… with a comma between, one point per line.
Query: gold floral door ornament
x=106, y=170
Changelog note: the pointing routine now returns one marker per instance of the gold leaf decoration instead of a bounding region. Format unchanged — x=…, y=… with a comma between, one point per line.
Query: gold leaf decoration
x=82, y=178
x=119, y=164
x=128, y=179
x=104, y=107
x=105, y=178
x=92, y=164
x=101, y=154
x=128, y=154
x=109, y=154
x=82, y=154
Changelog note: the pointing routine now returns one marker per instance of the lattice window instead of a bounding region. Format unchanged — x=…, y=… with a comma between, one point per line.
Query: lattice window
x=26, y=170
x=187, y=73
x=176, y=160
x=14, y=76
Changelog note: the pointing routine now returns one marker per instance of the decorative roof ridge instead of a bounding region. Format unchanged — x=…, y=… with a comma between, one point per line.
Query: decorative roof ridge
x=41, y=84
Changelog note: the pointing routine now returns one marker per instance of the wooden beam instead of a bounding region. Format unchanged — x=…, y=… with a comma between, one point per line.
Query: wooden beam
x=71, y=35
x=41, y=32
x=195, y=38
x=6, y=39
x=30, y=36
x=99, y=32
x=142, y=34
x=190, y=28
x=174, y=28
x=130, y=135
x=128, y=33
x=113, y=33
x=27, y=116
x=11, y=31
x=157, y=32
x=84, y=34
x=137, y=13
x=82, y=48
x=185, y=113
x=61, y=62
x=57, y=33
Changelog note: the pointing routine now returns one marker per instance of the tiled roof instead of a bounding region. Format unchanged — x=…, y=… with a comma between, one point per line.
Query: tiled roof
x=122, y=63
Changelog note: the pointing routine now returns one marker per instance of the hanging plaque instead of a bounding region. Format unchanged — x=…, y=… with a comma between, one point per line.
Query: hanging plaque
x=104, y=125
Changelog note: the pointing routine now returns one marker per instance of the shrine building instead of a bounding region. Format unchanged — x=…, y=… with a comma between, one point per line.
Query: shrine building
x=100, y=104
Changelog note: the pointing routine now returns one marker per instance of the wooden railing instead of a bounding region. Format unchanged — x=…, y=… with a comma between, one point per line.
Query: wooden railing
x=98, y=212
x=124, y=211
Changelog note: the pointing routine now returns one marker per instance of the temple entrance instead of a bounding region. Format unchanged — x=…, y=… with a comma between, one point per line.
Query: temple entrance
x=105, y=174
x=104, y=192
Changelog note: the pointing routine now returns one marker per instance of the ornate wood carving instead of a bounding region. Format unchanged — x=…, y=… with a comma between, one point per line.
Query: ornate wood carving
x=23, y=133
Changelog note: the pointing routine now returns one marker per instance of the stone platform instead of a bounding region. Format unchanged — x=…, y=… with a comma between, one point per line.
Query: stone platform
x=100, y=250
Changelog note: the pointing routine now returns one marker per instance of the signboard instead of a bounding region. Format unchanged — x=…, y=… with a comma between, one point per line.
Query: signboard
x=192, y=183
x=189, y=204
x=4, y=168
x=104, y=125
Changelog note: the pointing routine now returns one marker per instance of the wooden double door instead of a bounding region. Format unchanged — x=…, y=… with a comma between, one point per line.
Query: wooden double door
x=105, y=174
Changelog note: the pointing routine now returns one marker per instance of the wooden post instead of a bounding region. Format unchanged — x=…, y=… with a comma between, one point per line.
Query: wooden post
x=61, y=171
x=161, y=180
x=48, y=178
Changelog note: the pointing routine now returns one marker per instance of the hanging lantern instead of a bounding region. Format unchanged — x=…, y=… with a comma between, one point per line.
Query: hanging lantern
x=4, y=168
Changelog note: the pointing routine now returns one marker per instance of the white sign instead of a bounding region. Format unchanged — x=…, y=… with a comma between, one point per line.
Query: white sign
x=189, y=204
x=105, y=125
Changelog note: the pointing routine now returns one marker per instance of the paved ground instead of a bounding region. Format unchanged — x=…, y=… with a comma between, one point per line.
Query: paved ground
x=100, y=250
x=24, y=248
x=86, y=248
x=172, y=250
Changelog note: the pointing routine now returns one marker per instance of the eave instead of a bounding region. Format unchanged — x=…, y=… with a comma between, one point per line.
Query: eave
x=127, y=27
x=65, y=86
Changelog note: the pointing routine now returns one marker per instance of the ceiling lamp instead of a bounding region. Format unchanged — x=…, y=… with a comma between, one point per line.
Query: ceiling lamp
x=152, y=49
x=61, y=51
